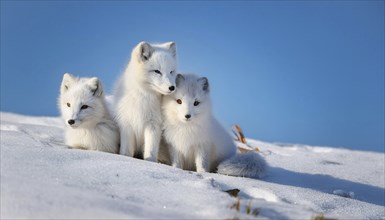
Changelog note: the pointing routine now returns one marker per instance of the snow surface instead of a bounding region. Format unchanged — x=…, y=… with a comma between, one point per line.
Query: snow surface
x=42, y=178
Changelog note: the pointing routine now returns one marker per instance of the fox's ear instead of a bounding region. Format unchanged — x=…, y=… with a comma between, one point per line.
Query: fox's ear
x=179, y=78
x=204, y=82
x=145, y=51
x=67, y=81
x=172, y=47
x=95, y=86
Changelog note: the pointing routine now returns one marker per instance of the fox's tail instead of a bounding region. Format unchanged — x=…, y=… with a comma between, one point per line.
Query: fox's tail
x=250, y=164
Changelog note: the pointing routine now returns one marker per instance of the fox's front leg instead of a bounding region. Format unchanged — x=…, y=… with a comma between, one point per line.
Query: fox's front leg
x=202, y=160
x=176, y=159
x=127, y=142
x=152, y=134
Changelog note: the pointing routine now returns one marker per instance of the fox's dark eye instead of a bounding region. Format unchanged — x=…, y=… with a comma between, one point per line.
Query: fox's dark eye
x=179, y=101
x=84, y=107
x=158, y=72
x=172, y=72
x=196, y=103
x=68, y=104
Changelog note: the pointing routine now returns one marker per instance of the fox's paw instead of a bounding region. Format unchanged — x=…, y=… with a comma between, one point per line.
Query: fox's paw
x=151, y=158
x=201, y=171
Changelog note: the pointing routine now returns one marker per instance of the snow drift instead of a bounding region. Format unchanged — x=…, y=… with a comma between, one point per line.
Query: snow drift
x=42, y=178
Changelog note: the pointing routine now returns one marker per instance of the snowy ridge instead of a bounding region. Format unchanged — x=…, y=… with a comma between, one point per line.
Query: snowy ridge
x=42, y=178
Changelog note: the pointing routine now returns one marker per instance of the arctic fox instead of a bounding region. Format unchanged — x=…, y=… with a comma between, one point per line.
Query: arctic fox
x=149, y=75
x=88, y=122
x=195, y=139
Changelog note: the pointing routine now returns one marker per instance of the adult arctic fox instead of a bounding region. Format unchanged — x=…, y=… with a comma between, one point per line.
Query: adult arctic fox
x=195, y=139
x=149, y=75
x=88, y=122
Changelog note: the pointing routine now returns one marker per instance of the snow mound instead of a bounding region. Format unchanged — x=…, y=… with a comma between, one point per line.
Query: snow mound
x=42, y=178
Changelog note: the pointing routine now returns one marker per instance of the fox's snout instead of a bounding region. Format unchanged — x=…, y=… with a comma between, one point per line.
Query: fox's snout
x=73, y=122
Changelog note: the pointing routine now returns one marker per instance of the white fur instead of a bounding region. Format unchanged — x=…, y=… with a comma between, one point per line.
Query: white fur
x=199, y=142
x=93, y=127
x=250, y=164
x=138, y=97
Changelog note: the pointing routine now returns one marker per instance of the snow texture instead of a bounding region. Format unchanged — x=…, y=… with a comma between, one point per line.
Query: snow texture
x=41, y=178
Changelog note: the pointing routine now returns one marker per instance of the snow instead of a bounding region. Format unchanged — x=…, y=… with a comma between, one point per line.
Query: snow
x=42, y=178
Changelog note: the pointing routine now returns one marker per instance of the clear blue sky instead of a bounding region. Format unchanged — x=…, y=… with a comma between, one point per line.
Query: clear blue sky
x=309, y=72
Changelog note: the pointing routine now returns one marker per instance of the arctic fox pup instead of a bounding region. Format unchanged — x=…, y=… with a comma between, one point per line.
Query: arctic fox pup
x=149, y=75
x=88, y=122
x=195, y=139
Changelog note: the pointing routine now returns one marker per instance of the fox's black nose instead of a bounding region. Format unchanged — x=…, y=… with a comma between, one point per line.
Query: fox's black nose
x=171, y=88
x=71, y=122
x=187, y=116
